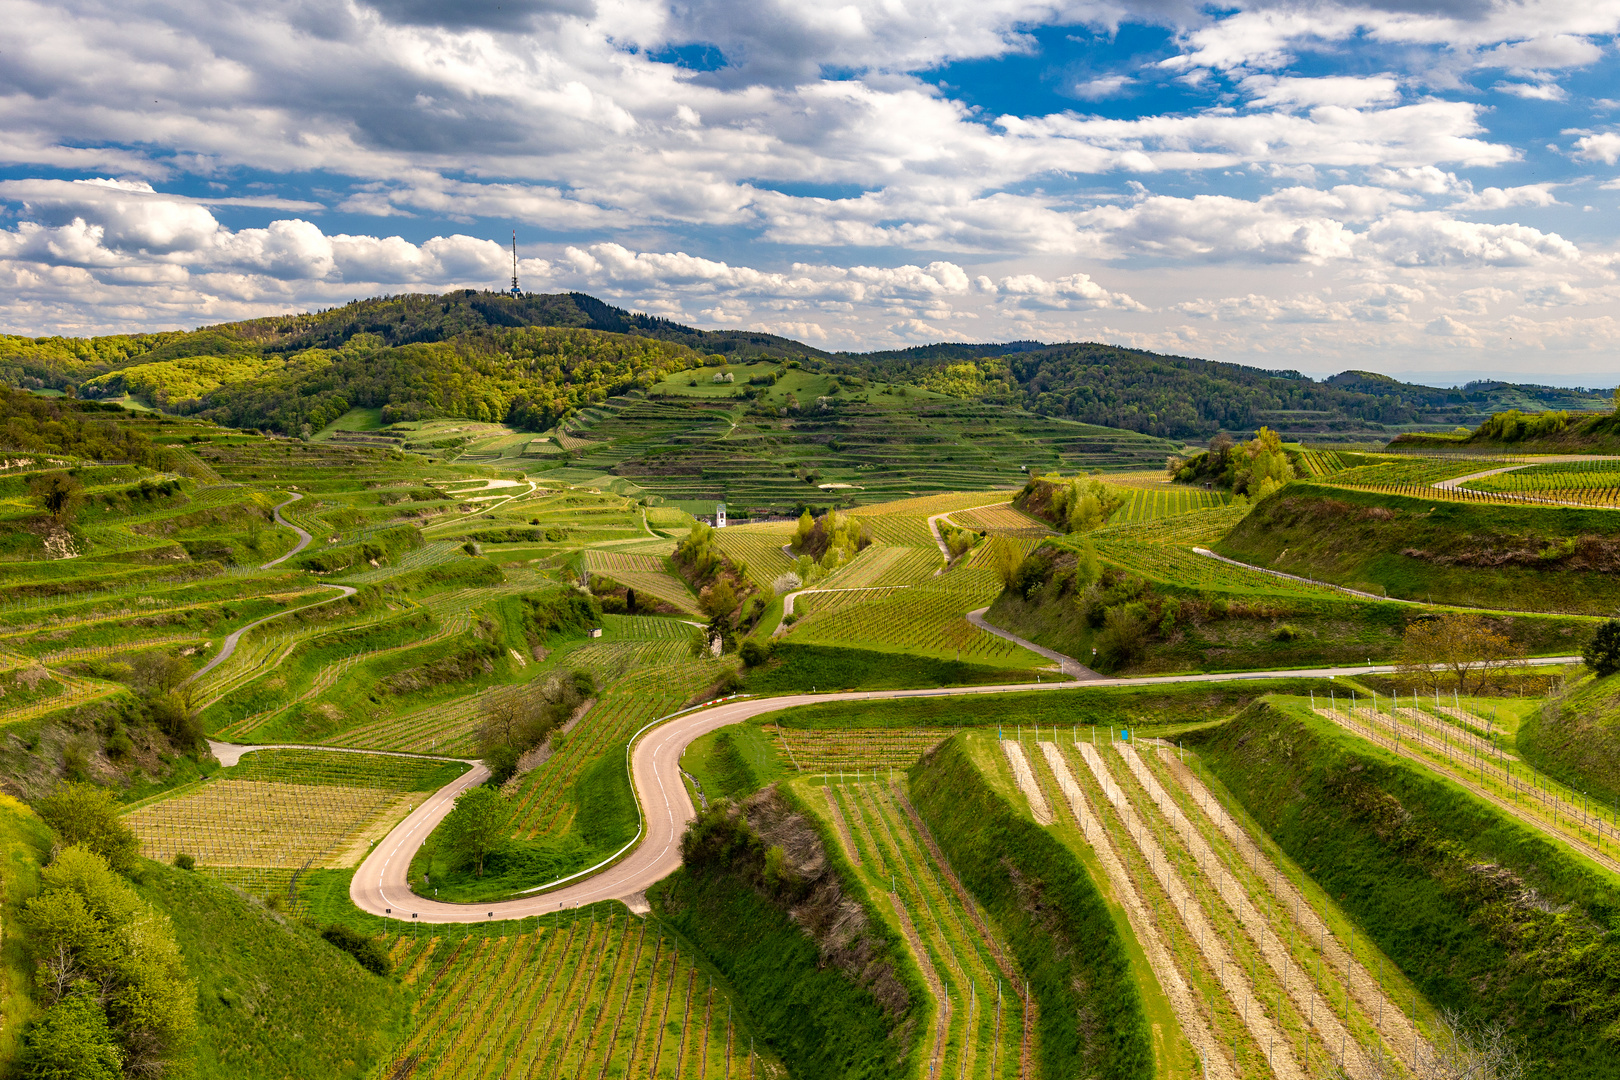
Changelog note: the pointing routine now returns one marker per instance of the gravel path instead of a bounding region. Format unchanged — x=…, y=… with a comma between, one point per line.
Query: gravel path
x=1391, y=1022
x=1233, y=978
x=1129, y=895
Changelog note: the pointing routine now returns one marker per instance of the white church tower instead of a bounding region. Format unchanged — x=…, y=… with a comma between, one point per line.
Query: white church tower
x=720, y=516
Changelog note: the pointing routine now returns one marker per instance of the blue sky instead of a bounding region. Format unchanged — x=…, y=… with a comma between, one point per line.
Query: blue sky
x=1427, y=190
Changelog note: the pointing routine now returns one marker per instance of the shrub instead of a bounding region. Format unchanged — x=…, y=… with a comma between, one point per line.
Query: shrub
x=86, y=815
x=368, y=952
x=1602, y=653
x=754, y=653
x=184, y=861
x=1286, y=633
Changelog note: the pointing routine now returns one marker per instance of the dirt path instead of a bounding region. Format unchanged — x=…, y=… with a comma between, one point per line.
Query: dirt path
x=1025, y=777
x=1192, y=1021
x=1233, y=978
x=1306, y=995
x=1390, y=1021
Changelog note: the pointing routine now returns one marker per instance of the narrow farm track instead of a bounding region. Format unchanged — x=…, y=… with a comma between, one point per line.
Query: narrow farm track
x=1457, y=482
x=229, y=645
x=303, y=537
x=1393, y=1024
x=1202, y=927
x=1129, y=895
x=1073, y=668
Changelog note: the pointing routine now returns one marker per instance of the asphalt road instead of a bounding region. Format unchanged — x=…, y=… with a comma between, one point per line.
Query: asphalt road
x=379, y=885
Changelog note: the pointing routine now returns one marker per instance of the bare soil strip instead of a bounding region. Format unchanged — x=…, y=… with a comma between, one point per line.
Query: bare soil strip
x=1130, y=897
x=1306, y=996
x=1385, y=1015
x=1025, y=777
x=1233, y=978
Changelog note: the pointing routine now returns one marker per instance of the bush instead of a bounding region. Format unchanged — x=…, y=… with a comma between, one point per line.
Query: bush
x=1602, y=653
x=86, y=815
x=368, y=952
x=71, y=1042
x=754, y=653
x=184, y=861
x=1286, y=633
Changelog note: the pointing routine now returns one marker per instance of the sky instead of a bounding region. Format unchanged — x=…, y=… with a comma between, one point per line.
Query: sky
x=1425, y=188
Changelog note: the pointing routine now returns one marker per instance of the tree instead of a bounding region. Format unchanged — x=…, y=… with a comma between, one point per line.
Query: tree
x=71, y=1041
x=802, y=532
x=59, y=494
x=1602, y=653
x=476, y=826
x=1461, y=646
x=87, y=815
x=1005, y=558
x=719, y=599
x=93, y=938
x=1087, y=567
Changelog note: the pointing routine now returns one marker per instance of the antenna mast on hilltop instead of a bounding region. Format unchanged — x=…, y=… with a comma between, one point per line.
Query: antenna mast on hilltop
x=515, y=290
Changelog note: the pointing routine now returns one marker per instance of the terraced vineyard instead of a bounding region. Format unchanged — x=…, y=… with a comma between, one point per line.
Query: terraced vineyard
x=846, y=750
x=980, y=1027
x=255, y=823
x=925, y=618
x=600, y=993
x=1149, y=504
x=644, y=573
x=1269, y=989
x=1591, y=483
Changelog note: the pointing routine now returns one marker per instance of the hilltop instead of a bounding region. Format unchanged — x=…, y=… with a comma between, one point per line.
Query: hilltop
x=537, y=360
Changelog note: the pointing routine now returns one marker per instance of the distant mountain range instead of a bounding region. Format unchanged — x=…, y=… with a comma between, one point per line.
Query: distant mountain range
x=533, y=360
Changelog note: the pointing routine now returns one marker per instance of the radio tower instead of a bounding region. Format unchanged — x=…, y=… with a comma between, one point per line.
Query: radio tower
x=515, y=290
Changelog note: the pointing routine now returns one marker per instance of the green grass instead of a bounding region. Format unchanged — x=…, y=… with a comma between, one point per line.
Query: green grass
x=1448, y=552
x=344, y=770
x=851, y=1015
x=1575, y=739
x=1059, y=929
x=794, y=667
x=25, y=844
x=605, y=819
x=357, y=419
x=1159, y=711
x=273, y=999
x=1402, y=851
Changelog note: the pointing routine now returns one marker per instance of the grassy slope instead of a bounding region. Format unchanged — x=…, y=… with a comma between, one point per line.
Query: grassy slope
x=1577, y=739
x=25, y=843
x=1411, y=858
x=1160, y=711
x=273, y=999
x=794, y=667
x=1358, y=538
x=1055, y=921
x=1327, y=631
x=811, y=1013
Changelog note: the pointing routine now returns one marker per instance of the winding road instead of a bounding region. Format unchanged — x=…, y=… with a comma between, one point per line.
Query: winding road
x=229, y=645
x=303, y=537
x=380, y=884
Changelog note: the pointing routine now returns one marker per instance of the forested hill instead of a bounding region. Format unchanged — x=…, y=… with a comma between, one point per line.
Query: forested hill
x=532, y=360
